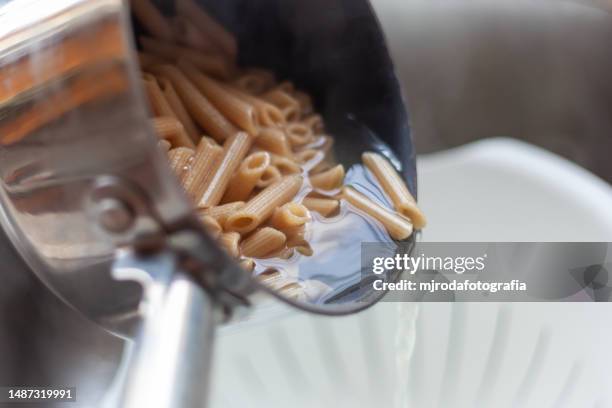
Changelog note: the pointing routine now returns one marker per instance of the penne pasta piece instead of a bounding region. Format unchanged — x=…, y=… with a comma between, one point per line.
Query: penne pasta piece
x=292, y=291
x=164, y=145
x=230, y=241
x=171, y=129
x=285, y=102
x=152, y=19
x=275, y=141
x=305, y=102
x=286, y=87
x=270, y=176
x=189, y=34
x=244, y=181
x=295, y=235
x=212, y=226
x=394, y=186
x=290, y=215
x=309, y=157
x=205, y=114
x=180, y=161
x=397, y=225
x=267, y=114
x=205, y=160
x=272, y=279
x=234, y=151
x=299, y=134
x=262, y=242
x=282, y=253
x=178, y=108
x=255, y=82
x=159, y=104
x=241, y=113
x=324, y=206
x=315, y=122
x=260, y=208
x=305, y=249
x=330, y=179
x=221, y=212
x=210, y=27
x=285, y=165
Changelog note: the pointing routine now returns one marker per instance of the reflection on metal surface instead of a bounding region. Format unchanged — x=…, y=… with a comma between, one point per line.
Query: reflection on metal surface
x=71, y=111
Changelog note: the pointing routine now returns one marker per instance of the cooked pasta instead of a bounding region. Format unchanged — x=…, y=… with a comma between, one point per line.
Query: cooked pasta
x=221, y=212
x=212, y=226
x=290, y=215
x=395, y=188
x=169, y=128
x=330, y=179
x=205, y=159
x=151, y=18
x=299, y=134
x=178, y=108
x=241, y=113
x=285, y=102
x=251, y=152
x=285, y=165
x=270, y=176
x=260, y=208
x=262, y=242
x=245, y=179
x=234, y=151
x=274, y=141
x=397, y=225
x=180, y=160
x=324, y=206
x=231, y=242
x=205, y=114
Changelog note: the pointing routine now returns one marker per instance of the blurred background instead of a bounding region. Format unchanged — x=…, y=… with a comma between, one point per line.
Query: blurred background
x=535, y=71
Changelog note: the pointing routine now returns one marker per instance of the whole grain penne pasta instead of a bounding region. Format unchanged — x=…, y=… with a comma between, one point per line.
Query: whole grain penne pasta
x=234, y=151
x=394, y=186
x=189, y=34
x=159, y=104
x=212, y=226
x=290, y=215
x=205, y=160
x=295, y=235
x=267, y=114
x=270, y=176
x=205, y=114
x=315, y=122
x=396, y=225
x=230, y=241
x=324, y=206
x=178, y=108
x=164, y=145
x=299, y=134
x=152, y=19
x=221, y=212
x=309, y=157
x=285, y=102
x=255, y=82
x=330, y=179
x=180, y=161
x=169, y=128
x=246, y=177
x=260, y=208
x=285, y=165
x=211, y=28
x=305, y=102
x=262, y=242
x=241, y=113
x=282, y=253
x=275, y=141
